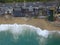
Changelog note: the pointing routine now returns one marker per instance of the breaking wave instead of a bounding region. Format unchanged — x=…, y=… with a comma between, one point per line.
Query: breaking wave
x=22, y=34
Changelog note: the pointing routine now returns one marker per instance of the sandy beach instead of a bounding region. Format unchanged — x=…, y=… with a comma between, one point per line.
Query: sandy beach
x=41, y=23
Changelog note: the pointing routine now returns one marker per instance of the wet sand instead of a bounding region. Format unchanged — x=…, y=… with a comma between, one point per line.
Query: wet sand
x=42, y=23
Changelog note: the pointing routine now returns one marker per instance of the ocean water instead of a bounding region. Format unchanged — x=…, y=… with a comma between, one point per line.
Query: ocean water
x=22, y=34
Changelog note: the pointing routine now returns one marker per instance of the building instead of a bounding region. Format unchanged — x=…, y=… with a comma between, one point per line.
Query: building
x=2, y=11
x=29, y=8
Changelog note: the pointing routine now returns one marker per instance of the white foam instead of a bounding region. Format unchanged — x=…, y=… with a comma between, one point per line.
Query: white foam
x=3, y=27
x=18, y=28
x=43, y=33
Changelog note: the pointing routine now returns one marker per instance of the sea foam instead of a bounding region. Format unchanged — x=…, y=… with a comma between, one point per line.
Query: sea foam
x=18, y=28
x=22, y=34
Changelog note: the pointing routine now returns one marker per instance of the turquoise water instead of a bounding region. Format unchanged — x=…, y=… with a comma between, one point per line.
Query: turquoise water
x=27, y=35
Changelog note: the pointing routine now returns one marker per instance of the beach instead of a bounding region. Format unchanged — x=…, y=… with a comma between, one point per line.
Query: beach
x=41, y=23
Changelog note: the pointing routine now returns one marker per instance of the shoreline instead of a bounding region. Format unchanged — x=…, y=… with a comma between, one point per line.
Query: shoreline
x=41, y=23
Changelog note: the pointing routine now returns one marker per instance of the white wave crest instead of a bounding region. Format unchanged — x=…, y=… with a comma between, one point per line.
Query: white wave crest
x=18, y=28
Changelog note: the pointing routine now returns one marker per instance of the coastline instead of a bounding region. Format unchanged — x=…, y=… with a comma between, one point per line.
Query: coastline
x=41, y=23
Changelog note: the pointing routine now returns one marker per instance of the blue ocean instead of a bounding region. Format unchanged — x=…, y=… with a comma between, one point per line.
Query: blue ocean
x=22, y=34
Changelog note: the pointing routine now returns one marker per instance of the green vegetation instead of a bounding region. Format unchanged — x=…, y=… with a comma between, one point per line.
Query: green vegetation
x=10, y=1
x=2, y=1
